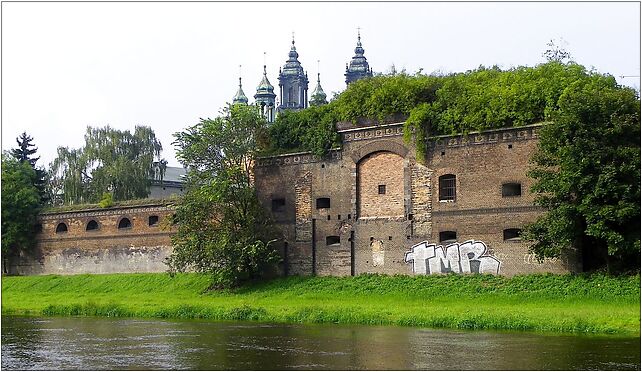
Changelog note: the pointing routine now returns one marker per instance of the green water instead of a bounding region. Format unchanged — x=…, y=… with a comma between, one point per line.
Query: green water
x=63, y=343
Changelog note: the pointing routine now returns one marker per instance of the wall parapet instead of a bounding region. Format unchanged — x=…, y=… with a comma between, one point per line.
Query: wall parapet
x=112, y=211
x=491, y=136
x=297, y=158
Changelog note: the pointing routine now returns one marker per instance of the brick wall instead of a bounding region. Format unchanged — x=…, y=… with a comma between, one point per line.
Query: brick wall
x=381, y=185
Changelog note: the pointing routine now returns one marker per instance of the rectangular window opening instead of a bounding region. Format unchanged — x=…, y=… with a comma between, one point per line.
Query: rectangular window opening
x=278, y=205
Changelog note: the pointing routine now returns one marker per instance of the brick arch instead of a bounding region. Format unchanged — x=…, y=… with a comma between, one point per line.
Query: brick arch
x=380, y=184
x=377, y=146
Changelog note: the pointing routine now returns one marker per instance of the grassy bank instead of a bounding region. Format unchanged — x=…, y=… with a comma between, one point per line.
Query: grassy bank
x=558, y=303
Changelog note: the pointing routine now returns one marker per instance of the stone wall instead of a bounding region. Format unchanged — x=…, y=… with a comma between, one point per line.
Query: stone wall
x=140, y=246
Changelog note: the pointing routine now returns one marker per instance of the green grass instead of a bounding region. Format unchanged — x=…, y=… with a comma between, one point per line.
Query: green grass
x=557, y=303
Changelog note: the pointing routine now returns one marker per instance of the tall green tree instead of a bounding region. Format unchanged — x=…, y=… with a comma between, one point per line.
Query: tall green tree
x=111, y=161
x=222, y=227
x=24, y=153
x=587, y=176
x=20, y=207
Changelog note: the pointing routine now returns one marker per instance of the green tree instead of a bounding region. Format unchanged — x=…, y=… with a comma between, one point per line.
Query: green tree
x=23, y=153
x=222, y=227
x=111, y=161
x=587, y=176
x=20, y=207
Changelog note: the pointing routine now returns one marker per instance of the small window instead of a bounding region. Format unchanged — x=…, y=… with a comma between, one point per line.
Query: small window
x=382, y=189
x=331, y=240
x=278, y=205
x=92, y=225
x=125, y=223
x=61, y=228
x=511, y=189
x=153, y=220
x=323, y=203
x=338, y=217
x=512, y=235
x=447, y=187
x=447, y=236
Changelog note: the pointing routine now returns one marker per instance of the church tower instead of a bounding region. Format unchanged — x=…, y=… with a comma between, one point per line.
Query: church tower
x=265, y=97
x=359, y=67
x=318, y=96
x=293, y=83
x=239, y=97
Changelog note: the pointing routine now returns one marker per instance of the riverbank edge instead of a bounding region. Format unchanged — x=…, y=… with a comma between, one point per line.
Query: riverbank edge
x=506, y=318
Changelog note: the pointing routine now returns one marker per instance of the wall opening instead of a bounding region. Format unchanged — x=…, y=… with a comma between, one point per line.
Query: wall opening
x=61, y=228
x=323, y=203
x=332, y=240
x=447, y=187
x=511, y=189
x=153, y=221
x=124, y=223
x=278, y=205
x=447, y=236
x=380, y=185
x=512, y=235
x=91, y=225
x=381, y=189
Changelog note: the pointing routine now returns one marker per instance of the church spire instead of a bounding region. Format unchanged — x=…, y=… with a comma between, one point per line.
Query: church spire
x=240, y=96
x=318, y=96
x=293, y=83
x=265, y=97
x=358, y=67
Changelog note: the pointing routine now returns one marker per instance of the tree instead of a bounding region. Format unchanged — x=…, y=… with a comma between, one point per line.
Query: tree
x=555, y=52
x=111, y=161
x=222, y=227
x=587, y=176
x=20, y=207
x=24, y=153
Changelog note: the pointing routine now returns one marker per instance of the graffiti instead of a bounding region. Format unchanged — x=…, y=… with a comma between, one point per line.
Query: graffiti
x=468, y=257
x=377, y=252
x=531, y=259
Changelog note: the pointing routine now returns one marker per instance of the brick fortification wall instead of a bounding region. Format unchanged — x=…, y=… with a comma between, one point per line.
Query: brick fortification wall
x=94, y=243
x=371, y=207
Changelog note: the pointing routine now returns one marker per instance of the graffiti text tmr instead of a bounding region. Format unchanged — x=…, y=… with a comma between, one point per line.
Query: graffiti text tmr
x=468, y=257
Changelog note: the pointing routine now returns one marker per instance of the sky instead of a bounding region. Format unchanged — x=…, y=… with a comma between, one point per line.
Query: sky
x=66, y=66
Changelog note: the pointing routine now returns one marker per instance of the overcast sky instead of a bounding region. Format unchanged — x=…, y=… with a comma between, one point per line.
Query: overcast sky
x=69, y=65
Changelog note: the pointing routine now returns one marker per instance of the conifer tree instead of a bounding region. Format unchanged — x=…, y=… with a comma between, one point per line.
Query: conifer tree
x=24, y=153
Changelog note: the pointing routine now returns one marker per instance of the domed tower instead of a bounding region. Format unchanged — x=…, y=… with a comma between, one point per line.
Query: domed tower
x=359, y=67
x=293, y=83
x=239, y=97
x=265, y=97
x=318, y=95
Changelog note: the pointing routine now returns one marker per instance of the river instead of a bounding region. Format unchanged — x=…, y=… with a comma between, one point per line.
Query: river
x=70, y=343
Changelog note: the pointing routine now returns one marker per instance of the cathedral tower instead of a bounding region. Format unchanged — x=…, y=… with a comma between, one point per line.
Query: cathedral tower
x=318, y=96
x=359, y=67
x=265, y=97
x=293, y=83
x=240, y=96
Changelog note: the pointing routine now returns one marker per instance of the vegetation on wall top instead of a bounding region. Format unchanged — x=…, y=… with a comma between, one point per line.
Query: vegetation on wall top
x=480, y=99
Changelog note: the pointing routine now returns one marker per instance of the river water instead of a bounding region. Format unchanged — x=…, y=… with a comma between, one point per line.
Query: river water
x=59, y=343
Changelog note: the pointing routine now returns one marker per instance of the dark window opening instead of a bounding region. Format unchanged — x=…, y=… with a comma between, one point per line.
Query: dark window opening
x=390, y=238
x=125, y=223
x=382, y=189
x=447, y=187
x=153, y=220
x=323, y=203
x=447, y=236
x=512, y=235
x=333, y=239
x=510, y=146
x=329, y=217
x=322, y=165
x=92, y=225
x=512, y=189
x=338, y=217
x=61, y=228
x=278, y=205
x=410, y=216
x=443, y=153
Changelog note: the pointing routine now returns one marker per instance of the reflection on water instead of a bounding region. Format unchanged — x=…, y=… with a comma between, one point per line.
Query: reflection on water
x=133, y=344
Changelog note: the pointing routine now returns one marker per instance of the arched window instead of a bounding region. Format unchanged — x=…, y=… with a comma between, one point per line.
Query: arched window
x=511, y=189
x=61, y=228
x=512, y=235
x=447, y=187
x=125, y=223
x=447, y=236
x=92, y=225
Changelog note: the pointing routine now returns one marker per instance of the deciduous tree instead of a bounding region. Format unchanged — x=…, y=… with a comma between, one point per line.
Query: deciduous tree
x=222, y=227
x=587, y=173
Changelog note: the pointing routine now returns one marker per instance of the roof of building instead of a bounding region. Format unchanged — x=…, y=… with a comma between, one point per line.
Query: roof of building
x=240, y=96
